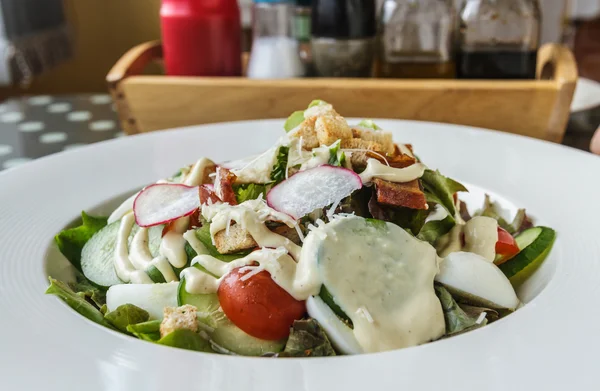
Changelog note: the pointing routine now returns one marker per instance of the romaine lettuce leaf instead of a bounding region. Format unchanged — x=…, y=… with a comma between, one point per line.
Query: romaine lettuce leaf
x=336, y=157
x=432, y=230
x=294, y=120
x=297, y=117
x=126, y=315
x=75, y=301
x=280, y=167
x=185, y=339
x=84, y=288
x=491, y=209
x=457, y=320
x=147, y=331
x=249, y=191
x=307, y=339
x=71, y=241
x=368, y=123
x=440, y=190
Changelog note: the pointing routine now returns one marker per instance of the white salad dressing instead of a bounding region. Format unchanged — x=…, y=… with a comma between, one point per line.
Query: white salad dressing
x=300, y=282
x=123, y=266
x=376, y=169
x=251, y=215
x=386, y=287
x=255, y=169
x=480, y=237
x=132, y=263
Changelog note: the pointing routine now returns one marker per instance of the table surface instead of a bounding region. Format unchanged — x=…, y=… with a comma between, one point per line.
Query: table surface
x=32, y=127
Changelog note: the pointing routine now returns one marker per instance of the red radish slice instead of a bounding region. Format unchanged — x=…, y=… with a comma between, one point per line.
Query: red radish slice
x=165, y=202
x=316, y=188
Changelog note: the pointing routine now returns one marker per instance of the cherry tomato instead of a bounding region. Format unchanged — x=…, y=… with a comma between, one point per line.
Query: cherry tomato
x=258, y=305
x=506, y=246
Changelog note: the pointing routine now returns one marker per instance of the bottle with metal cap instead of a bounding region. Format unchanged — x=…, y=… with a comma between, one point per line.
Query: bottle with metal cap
x=343, y=37
x=275, y=52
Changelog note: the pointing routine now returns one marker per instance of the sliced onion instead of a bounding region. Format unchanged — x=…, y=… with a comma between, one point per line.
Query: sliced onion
x=312, y=189
x=162, y=203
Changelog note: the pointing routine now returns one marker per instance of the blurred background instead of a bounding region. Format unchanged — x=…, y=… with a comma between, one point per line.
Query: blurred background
x=56, y=54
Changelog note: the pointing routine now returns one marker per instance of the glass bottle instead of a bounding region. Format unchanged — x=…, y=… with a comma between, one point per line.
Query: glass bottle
x=343, y=37
x=417, y=38
x=275, y=52
x=302, y=28
x=498, y=39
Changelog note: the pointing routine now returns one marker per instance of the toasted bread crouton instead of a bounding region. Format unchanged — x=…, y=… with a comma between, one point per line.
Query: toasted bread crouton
x=307, y=131
x=331, y=128
x=178, y=318
x=384, y=139
x=359, y=158
x=234, y=241
x=408, y=195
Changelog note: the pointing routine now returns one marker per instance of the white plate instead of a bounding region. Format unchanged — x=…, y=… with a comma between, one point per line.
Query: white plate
x=549, y=344
x=587, y=95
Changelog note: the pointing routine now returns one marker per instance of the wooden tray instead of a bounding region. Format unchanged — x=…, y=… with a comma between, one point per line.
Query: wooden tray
x=537, y=108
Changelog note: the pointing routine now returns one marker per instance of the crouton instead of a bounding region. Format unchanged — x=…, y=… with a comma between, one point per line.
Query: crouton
x=384, y=139
x=178, y=318
x=332, y=128
x=408, y=195
x=234, y=241
x=359, y=158
x=307, y=131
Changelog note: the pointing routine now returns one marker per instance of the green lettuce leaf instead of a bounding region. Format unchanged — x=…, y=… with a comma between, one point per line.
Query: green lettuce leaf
x=336, y=157
x=432, y=230
x=75, y=301
x=491, y=209
x=474, y=312
x=280, y=167
x=440, y=190
x=125, y=315
x=185, y=339
x=294, y=120
x=70, y=241
x=457, y=320
x=84, y=288
x=307, y=339
x=249, y=191
x=317, y=102
x=297, y=117
x=147, y=331
x=203, y=235
x=368, y=123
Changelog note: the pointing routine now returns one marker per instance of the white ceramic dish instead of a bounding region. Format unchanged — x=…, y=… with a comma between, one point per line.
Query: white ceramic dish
x=549, y=344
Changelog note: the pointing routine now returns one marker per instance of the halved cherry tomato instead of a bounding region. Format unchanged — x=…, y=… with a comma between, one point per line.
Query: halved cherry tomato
x=258, y=305
x=506, y=246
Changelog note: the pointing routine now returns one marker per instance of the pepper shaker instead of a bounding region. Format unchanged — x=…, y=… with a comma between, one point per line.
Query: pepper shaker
x=343, y=37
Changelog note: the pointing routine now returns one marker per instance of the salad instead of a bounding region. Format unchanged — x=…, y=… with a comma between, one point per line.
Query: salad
x=334, y=241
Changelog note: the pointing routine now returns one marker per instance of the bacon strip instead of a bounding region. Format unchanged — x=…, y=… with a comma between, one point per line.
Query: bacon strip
x=408, y=195
x=223, y=185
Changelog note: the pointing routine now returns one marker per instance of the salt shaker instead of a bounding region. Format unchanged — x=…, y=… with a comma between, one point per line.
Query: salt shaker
x=275, y=52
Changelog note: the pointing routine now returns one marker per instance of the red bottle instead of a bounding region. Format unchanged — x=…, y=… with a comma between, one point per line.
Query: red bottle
x=201, y=37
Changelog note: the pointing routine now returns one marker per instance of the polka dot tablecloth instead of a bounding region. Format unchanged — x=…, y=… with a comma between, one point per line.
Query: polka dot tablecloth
x=32, y=127
x=36, y=126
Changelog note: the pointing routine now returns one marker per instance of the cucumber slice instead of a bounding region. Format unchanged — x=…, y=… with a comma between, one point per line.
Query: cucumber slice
x=225, y=333
x=328, y=299
x=97, y=257
x=150, y=297
x=154, y=240
x=535, y=244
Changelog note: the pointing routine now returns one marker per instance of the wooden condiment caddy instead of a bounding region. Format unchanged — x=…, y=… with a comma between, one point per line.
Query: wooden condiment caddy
x=536, y=108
